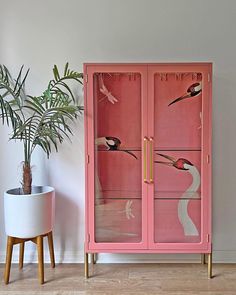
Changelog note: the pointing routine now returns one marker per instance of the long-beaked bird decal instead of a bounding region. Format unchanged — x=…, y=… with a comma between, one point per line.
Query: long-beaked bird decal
x=112, y=144
x=192, y=91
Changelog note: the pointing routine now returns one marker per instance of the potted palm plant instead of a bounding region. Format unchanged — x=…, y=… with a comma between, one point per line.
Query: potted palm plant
x=42, y=121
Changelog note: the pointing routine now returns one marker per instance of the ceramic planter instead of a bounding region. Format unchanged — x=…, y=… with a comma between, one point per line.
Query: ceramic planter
x=28, y=216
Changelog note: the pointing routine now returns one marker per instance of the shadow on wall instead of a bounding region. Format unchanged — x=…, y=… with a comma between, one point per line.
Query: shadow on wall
x=66, y=227
x=66, y=174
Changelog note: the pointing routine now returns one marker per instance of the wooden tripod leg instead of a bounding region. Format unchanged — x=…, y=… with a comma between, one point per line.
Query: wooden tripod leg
x=10, y=243
x=21, y=258
x=39, y=241
x=51, y=249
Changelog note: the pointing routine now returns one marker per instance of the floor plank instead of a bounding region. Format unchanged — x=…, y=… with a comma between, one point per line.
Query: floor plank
x=106, y=279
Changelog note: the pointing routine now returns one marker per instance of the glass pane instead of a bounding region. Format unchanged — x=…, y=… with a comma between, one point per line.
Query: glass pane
x=177, y=197
x=118, y=220
x=177, y=221
x=178, y=110
x=177, y=157
x=118, y=213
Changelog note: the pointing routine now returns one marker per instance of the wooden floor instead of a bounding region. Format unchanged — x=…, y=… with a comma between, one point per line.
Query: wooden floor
x=163, y=279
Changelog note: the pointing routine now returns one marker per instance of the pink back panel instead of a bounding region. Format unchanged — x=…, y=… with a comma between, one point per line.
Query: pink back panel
x=115, y=225
x=167, y=226
x=116, y=119
x=121, y=173
x=177, y=125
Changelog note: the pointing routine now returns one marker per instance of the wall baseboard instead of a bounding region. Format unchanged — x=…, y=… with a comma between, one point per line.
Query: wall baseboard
x=219, y=256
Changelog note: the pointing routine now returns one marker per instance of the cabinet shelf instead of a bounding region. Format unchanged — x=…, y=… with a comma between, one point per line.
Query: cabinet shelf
x=178, y=149
x=111, y=198
x=172, y=195
x=158, y=195
x=120, y=194
x=115, y=198
x=119, y=150
x=161, y=149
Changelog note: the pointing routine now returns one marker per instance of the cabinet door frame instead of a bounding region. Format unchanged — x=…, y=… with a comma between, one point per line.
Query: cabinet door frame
x=205, y=245
x=89, y=70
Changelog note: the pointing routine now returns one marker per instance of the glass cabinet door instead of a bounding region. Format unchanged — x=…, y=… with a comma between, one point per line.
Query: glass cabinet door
x=118, y=132
x=177, y=156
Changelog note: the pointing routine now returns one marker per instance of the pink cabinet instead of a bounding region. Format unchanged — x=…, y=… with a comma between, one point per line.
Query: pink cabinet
x=148, y=158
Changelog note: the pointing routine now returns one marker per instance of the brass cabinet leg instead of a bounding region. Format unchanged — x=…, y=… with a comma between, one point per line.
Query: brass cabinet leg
x=51, y=249
x=94, y=258
x=40, y=259
x=209, y=268
x=21, y=258
x=203, y=259
x=10, y=242
x=86, y=266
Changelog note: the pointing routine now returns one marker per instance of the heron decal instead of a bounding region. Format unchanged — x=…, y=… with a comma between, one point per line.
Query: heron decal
x=192, y=91
x=189, y=227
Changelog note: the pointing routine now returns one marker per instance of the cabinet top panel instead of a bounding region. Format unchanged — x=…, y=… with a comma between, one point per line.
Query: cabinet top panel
x=208, y=63
x=141, y=67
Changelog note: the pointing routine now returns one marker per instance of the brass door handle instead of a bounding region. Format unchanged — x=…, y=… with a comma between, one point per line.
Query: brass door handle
x=145, y=159
x=151, y=160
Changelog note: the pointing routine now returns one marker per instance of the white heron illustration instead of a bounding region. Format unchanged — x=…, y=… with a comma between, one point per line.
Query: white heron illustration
x=189, y=227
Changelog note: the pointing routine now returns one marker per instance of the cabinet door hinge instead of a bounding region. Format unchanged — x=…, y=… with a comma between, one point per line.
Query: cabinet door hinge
x=86, y=78
x=88, y=238
x=87, y=159
x=209, y=77
x=208, y=159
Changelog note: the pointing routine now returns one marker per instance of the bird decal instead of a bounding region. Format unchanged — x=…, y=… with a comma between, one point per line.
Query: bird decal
x=182, y=164
x=112, y=144
x=192, y=91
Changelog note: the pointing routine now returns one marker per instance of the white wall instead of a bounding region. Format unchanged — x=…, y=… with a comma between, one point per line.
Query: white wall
x=41, y=33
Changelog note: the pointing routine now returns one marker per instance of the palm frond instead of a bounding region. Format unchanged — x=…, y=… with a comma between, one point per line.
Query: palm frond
x=13, y=89
x=59, y=81
x=39, y=120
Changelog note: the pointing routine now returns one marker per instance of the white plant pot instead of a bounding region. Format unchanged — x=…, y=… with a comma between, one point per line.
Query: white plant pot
x=28, y=216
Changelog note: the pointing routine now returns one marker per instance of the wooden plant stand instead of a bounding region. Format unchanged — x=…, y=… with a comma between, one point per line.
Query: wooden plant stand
x=11, y=241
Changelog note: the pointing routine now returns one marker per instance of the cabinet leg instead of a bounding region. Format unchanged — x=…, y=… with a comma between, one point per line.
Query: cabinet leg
x=10, y=242
x=21, y=258
x=40, y=259
x=51, y=249
x=209, y=267
x=86, y=265
x=94, y=258
x=203, y=258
